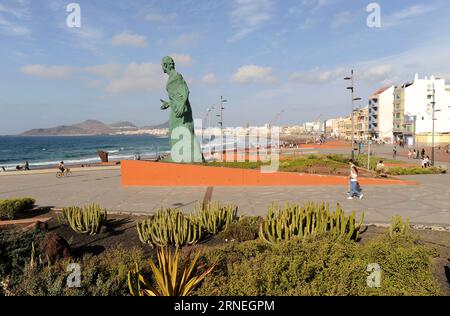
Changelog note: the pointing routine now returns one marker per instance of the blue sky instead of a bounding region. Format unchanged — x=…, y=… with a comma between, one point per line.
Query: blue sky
x=264, y=56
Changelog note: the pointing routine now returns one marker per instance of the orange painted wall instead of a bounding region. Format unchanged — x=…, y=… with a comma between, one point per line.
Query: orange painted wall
x=142, y=173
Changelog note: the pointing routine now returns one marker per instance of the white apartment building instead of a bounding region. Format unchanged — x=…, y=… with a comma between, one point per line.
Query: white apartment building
x=386, y=115
x=418, y=98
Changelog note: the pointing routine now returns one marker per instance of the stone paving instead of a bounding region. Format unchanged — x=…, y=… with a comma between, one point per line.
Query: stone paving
x=427, y=203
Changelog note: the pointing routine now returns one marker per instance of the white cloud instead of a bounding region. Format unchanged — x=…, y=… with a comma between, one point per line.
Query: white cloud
x=13, y=29
x=49, y=72
x=209, y=78
x=161, y=18
x=182, y=59
x=406, y=14
x=341, y=18
x=378, y=73
x=138, y=77
x=105, y=71
x=185, y=39
x=126, y=39
x=19, y=9
x=248, y=16
x=317, y=76
x=252, y=73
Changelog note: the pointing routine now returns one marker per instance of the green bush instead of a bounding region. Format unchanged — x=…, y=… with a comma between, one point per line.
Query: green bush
x=319, y=267
x=246, y=228
x=398, y=171
x=10, y=208
x=15, y=252
x=102, y=275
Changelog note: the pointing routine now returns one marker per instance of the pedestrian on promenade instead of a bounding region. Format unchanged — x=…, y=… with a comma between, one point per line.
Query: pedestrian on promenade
x=394, y=152
x=414, y=154
x=409, y=154
x=418, y=154
x=423, y=153
x=355, y=189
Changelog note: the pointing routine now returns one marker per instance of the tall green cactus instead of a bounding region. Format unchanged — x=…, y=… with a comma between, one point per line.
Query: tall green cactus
x=169, y=227
x=214, y=218
x=86, y=220
x=308, y=221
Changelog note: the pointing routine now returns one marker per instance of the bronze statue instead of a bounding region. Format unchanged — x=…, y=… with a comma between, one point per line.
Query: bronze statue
x=183, y=143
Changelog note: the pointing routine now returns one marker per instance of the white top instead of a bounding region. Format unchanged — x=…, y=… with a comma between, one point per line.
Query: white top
x=353, y=174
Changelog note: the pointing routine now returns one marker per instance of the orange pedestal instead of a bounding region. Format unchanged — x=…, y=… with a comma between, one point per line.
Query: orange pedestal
x=142, y=173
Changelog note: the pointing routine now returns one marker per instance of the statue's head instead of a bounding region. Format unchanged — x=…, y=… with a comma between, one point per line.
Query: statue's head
x=168, y=64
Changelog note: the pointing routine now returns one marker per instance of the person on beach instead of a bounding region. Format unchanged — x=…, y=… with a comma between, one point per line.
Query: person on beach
x=354, y=185
x=3, y=169
x=61, y=167
x=27, y=166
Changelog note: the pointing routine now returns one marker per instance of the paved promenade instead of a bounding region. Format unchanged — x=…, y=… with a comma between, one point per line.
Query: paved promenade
x=427, y=203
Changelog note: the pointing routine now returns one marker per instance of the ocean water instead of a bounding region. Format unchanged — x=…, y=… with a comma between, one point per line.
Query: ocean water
x=48, y=151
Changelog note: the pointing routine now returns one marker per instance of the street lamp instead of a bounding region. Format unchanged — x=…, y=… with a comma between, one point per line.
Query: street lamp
x=352, y=89
x=433, y=104
x=222, y=101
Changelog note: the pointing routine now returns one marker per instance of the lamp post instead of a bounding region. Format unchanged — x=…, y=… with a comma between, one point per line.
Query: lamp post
x=352, y=89
x=222, y=101
x=433, y=104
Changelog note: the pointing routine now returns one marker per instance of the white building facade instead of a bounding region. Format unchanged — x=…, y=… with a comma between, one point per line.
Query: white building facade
x=418, y=102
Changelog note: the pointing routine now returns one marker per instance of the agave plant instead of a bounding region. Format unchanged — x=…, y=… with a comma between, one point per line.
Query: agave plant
x=86, y=220
x=308, y=221
x=171, y=277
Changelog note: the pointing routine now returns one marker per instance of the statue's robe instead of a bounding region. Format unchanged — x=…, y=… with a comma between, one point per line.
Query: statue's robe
x=178, y=92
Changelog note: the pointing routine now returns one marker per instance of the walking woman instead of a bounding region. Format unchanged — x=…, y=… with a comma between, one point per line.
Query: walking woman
x=354, y=185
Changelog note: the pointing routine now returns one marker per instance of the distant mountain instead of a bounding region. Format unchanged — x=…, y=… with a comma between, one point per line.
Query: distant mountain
x=90, y=127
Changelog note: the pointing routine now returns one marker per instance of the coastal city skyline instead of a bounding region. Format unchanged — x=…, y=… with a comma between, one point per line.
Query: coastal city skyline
x=109, y=68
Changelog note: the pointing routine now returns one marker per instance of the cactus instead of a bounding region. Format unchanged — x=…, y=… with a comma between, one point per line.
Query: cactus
x=399, y=227
x=308, y=221
x=169, y=227
x=86, y=220
x=214, y=218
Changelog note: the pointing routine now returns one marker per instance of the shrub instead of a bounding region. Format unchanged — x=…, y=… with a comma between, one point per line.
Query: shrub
x=11, y=208
x=246, y=228
x=398, y=171
x=101, y=275
x=308, y=221
x=319, y=267
x=15, y=252
x=86, y=220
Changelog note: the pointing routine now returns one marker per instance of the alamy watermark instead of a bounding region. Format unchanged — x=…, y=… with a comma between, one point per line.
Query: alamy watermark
x=374, y=18
x=74, y=17
x=74, y=278
x=255, y=144
x=374, y=279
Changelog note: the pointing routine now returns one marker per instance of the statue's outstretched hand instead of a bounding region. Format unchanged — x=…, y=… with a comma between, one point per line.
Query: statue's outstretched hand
x=165, y=105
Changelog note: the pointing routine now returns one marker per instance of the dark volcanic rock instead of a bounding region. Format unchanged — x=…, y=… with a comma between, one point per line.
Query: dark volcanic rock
x=53, y=247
